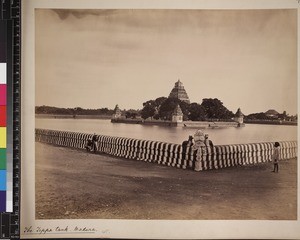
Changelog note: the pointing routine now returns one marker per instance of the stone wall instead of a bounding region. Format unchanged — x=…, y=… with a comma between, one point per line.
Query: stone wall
x=206, y=124
x=174, y=155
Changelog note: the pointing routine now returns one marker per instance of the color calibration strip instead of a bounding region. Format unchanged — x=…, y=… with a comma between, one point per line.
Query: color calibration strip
x=6, y=161
x=10, y=68
x=3, y=81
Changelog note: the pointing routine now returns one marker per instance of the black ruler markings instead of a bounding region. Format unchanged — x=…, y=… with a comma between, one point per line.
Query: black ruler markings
x=10, y=11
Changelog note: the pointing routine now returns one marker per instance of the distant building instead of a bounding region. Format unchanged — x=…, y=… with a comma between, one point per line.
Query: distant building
x=117, y=112
x=239, y=116
x=179, y=92
x=177, y=115
x=272, y=113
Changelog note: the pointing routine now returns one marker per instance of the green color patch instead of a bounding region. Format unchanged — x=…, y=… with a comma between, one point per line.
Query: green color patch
x=2, y=158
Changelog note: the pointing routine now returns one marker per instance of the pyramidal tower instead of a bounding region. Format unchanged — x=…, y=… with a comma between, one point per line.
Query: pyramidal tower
x=239, y=116
x=117, y=112
x=179, y=92
x=177, y=115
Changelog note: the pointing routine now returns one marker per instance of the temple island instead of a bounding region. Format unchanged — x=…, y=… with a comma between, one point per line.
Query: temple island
x=177, y=119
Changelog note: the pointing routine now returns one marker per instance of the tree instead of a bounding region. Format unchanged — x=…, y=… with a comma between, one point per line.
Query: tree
x=159, y=101
x=72, y=111
x=151, y=108
x=214, y=108
x=294, y=117
x=258, y=116
x=283, y=116
x=131, y=113
x=148, y=109
x=168, y=106
x=163, y=108
x=185, y=108
x=196, y=112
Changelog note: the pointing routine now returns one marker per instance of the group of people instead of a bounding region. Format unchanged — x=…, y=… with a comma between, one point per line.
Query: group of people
x=91, y=145
x=197, y=143
x=200, y=144
x=201, y=140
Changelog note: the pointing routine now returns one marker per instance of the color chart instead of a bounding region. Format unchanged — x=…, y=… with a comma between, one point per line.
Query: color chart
x=3, y=122
x=10, y=44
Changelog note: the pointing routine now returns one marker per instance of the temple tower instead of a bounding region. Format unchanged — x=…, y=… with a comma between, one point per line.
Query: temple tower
x=179, y=92
x=117, y=112
x=177, y=115
x=239, y=116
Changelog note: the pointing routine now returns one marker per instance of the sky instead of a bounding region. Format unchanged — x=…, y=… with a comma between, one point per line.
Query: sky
x=100, y=58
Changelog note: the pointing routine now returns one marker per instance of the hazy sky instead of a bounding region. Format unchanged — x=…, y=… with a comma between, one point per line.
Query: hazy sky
x=100, y=58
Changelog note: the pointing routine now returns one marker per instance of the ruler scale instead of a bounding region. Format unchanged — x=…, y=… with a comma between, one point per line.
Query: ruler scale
x=10, y=67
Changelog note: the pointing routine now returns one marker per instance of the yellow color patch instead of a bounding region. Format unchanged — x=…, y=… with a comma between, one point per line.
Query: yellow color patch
x=2, y=137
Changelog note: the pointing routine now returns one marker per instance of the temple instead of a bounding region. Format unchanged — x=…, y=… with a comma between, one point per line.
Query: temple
x=177, y=115
x=117, y=113
x=179, y=92
x=239, y=117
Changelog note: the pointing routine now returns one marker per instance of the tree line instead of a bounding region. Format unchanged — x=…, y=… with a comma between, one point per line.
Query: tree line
x=72, y=111
x=263, y=116
x=163, y=108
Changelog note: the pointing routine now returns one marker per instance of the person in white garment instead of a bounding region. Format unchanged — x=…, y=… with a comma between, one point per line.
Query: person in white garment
x=199, y=146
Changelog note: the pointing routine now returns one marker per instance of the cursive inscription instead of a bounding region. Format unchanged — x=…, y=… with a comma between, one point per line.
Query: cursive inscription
x=84, y=229
x=60, y=229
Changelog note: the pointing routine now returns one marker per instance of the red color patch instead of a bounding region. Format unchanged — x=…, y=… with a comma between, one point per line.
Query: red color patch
x=2, y=116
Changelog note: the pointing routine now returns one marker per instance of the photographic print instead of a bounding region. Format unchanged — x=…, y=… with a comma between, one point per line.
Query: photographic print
x=164, y=114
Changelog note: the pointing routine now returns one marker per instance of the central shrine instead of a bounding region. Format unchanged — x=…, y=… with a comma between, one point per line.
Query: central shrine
x=179, y=92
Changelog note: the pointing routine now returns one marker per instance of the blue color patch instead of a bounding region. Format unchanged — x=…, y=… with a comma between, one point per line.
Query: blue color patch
x=2, y=180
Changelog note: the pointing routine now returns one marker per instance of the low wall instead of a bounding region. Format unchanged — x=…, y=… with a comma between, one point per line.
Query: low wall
x=221, y=156
x=271, y=122
x=192, y=124
x=145, y=122
x=206, y=124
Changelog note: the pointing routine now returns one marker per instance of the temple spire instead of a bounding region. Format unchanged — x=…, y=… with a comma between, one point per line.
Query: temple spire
x=117, y=112
x=179, y=92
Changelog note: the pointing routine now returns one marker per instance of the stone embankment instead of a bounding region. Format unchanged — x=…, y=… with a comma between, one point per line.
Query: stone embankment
x=191, y=124
x=206, y=124
x=170, y=154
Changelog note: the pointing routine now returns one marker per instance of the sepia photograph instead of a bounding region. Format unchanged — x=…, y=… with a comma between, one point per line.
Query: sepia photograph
x=163, y=115
x=166, y=114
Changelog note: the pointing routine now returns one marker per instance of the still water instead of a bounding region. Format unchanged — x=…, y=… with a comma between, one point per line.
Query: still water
x=251, y=133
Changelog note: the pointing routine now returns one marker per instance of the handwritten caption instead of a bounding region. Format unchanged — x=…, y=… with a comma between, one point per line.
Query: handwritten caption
x=62, y=230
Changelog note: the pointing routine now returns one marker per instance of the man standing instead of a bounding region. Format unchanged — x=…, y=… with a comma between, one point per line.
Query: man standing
x=199, y=146
x=275, y=156
x=208, y=142
x=210, y=149
x=94, y=142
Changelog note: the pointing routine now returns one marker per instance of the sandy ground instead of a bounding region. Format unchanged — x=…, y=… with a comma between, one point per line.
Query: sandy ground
x=72, y=184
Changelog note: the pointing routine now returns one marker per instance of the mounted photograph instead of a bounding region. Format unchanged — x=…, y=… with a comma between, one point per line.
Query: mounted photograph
x=166, y=114
x=159, y=120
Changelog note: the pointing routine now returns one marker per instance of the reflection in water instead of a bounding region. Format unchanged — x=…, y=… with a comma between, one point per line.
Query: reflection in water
x=251, y=133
